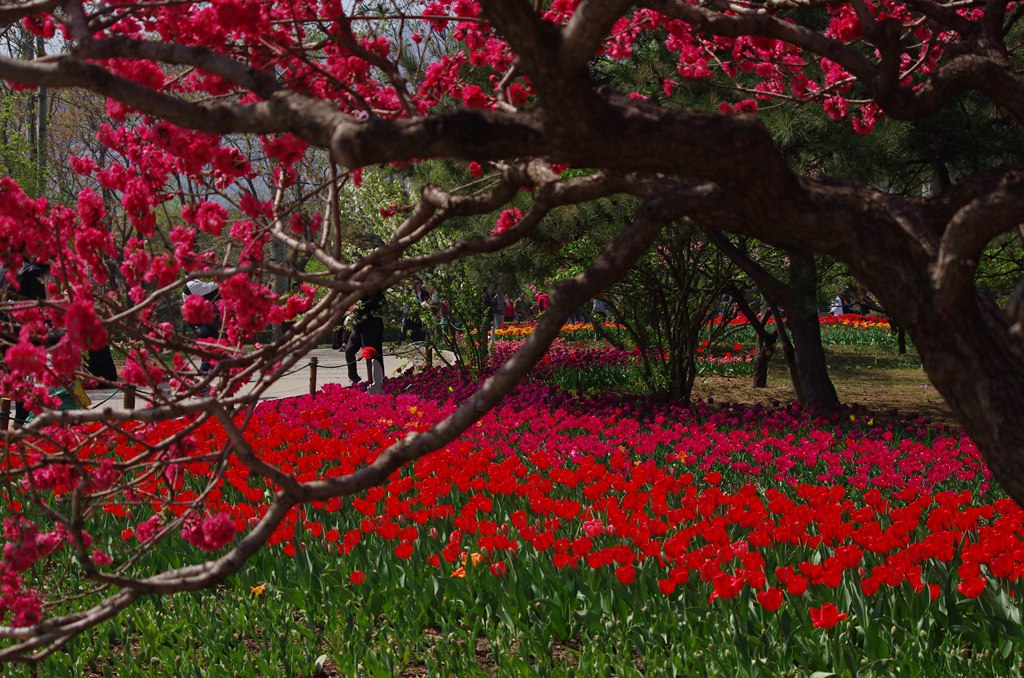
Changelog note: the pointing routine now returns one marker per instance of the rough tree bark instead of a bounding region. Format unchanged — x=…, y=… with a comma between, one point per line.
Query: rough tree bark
x=805, y=355
x=766, y=340
x=801, y=307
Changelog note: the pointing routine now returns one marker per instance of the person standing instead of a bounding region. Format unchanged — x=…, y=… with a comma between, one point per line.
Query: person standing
x=522, y=309
x=543, y=301
x=31, y=279
x=412, y=320
x=210, y=291
x=367, y=330
x=839, y=304
x=510, y=310
x=497, y=303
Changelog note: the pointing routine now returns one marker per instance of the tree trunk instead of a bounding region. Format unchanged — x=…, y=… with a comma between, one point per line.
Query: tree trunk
x=765, y=351
x=788, y=354
x=682, y=374
x=966, y=345
x=978, y=366
x=42, y=125
x=765, y=340
x=810, y=379
x=282, y=283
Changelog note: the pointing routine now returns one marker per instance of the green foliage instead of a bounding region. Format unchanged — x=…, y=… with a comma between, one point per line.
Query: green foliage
x=667, y=302
x=1000, y=267
x=463, y=325
x=17, y=155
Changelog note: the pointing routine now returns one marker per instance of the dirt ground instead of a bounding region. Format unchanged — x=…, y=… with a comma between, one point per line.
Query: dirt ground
x=860, y=376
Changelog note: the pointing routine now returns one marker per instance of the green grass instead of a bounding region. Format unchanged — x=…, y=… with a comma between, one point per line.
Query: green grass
x=409, y=619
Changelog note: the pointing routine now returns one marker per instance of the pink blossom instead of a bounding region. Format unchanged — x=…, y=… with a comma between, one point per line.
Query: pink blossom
x=140, y=370
x=101, y=558
x=474, y=97
x=209, y=533
x=28, y=609
x=209, y=217
x=146, y=530
x=103, y=476
x=507, y=220
x=198, y=311
x=835, y=107
x=84, y=329
x=25, y=359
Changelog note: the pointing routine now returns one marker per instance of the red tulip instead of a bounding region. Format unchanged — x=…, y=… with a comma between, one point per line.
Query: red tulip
x=826, y=616
x=770, y=599
x=971, y=588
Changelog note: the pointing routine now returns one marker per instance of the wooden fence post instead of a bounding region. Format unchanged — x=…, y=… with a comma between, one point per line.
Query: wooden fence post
x=5, y=413
x=312, y=374
x=129, y=397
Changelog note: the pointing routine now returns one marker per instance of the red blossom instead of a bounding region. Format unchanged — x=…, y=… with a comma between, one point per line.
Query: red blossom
x=770, y=599
x=626, y=574
x=826, y=616
x=507, y=220
x=209, y=533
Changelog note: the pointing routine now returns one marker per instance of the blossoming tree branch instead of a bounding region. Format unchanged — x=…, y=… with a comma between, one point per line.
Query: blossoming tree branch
x=228, y=99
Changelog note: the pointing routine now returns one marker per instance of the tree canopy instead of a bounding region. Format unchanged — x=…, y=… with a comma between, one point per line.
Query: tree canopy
x=215, y=106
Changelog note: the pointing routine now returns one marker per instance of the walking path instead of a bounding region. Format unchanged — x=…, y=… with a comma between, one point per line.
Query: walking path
x=331, y=369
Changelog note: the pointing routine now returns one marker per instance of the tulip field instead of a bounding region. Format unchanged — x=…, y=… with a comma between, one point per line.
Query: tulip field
x=581, y=534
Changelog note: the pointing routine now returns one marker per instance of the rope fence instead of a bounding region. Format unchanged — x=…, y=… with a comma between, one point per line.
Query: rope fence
x=315, y=367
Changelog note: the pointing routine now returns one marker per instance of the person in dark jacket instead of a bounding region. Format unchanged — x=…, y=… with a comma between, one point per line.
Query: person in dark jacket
x=31, y=286
x=412, y=323
x=367, y=331
x=210, y=291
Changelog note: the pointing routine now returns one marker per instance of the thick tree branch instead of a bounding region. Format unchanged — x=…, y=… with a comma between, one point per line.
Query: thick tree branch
x=589, y=26
x=219, y=118
x=561, y=79
x=970, y=230
x=234, y=71
x=987, y=73
x=15, y=12
x=766, y=26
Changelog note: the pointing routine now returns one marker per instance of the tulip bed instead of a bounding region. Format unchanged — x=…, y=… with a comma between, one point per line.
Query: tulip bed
x=736, y=353
x=594, y=535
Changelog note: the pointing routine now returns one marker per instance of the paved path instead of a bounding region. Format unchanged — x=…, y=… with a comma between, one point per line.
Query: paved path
x=331, y=369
